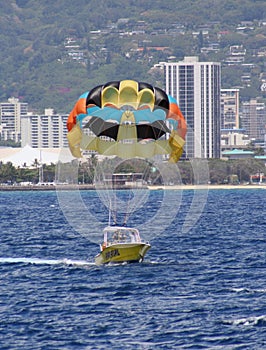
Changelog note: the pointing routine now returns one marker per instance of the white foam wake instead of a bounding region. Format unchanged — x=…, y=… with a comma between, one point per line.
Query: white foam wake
x=249, y=290
x=248, y=321
x=37, y=261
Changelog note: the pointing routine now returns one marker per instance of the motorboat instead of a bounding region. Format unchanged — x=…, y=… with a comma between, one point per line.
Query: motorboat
x=121, y=244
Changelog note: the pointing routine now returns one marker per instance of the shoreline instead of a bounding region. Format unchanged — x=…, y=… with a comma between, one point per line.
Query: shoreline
x=151, y=188
x=206, y=187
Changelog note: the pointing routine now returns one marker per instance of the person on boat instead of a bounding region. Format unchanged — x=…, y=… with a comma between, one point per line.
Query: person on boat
x=133, y=237
x=116, y=236
x=123, y=237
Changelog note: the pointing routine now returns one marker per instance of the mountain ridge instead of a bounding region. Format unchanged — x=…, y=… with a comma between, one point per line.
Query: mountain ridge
x=119, y=40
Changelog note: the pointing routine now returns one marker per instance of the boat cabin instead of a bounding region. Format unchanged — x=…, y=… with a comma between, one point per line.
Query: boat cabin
x=117, y=234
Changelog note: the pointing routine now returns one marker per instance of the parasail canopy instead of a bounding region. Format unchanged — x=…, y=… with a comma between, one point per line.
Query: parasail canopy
x=128, y=119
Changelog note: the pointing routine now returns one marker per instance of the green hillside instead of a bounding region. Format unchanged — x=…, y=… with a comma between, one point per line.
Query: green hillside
x=52, y=51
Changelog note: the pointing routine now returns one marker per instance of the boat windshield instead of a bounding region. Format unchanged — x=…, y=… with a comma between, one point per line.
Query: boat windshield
x=122, y=235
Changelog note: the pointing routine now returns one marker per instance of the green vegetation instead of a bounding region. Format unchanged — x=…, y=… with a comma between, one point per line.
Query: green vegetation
x=9, y=143
x=118, y=40
x=220, y=171
x=9, y=174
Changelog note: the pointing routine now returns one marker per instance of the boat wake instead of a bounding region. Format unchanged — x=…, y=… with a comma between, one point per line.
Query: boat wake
x=249, y=290
x=248, y=321
x=65, y=262
x=36, y=261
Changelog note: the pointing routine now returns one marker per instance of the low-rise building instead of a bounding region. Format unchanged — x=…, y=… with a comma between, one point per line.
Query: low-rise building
x=237, y=154
x=234, y=138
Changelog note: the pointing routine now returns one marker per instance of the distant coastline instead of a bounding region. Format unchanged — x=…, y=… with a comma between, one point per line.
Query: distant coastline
x=151, y=188
x=207, y=187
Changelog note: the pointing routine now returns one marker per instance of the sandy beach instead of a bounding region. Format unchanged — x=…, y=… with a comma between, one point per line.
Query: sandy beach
x=207, y=187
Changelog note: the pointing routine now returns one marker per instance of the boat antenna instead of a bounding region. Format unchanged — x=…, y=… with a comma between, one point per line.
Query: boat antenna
x=111, y=214
x=113, y=205
x=127, y=211
x=128, y=206
x=109, y=219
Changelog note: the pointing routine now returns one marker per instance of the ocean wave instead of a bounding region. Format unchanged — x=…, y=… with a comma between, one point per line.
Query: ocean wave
x=249, y=290
x=248, y=321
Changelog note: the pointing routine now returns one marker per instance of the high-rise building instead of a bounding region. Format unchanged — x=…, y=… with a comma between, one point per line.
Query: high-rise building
x=44, y=131
x=197, y=88
x=253, y=119
x=230, y=108
x=11, y=113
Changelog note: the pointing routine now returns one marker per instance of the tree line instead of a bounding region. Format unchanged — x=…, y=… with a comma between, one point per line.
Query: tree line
x=217, y=171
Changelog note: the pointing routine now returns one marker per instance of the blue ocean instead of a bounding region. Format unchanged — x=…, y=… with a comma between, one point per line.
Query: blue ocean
x=202, y=285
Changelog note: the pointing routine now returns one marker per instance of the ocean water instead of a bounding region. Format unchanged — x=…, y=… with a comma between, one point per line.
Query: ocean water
x=203, y=287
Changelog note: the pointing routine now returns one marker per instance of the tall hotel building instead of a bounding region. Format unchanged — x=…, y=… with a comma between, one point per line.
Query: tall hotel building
x=197, y=88
x=230, y=108
x=44, y=131
x=253, y=119
x=11, y=113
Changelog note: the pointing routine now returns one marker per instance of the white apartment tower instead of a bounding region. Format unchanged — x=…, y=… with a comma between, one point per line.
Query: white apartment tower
x=197, y=88
x=230, y=108
x=11, y=113
x=44, y=131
